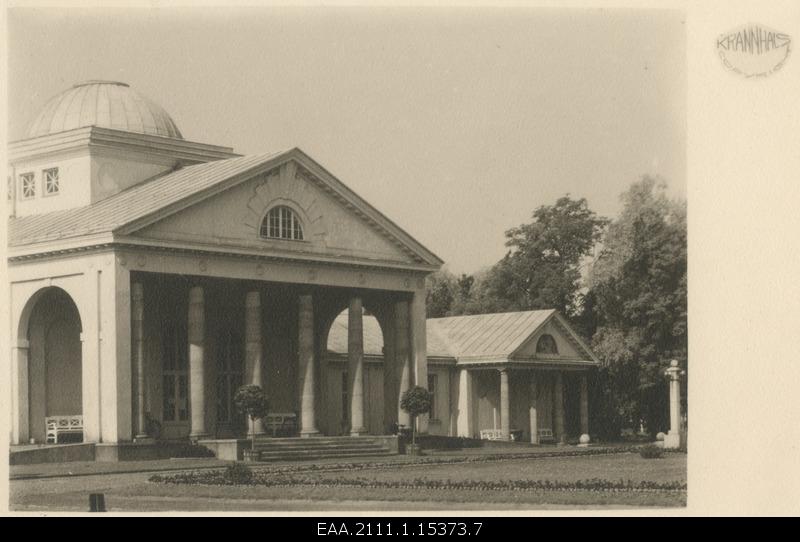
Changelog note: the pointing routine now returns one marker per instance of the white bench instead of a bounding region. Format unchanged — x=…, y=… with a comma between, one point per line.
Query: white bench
x=546, y=435
x=279, y=421
x=492, y=434
x=60, y=425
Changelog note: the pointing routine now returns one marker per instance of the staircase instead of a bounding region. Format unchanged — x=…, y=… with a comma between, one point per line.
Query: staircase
x=298, y=449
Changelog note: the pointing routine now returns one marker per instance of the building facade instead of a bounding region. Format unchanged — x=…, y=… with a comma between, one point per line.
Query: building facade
x=150, y=276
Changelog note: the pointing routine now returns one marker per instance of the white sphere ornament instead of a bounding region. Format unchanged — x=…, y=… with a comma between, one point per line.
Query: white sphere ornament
x=660, y=436
x=584, y=439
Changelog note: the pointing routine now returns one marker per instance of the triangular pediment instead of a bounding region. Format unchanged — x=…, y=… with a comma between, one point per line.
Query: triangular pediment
x=336, y=223
x=569, y=345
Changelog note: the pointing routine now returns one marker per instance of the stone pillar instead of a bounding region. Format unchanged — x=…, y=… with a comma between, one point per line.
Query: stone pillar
x=673, y=438
x=197, y=332
x=305, y=354
x=558, y=392
x=253, y=348
x=584, y=406
x=402, y=358
x=20, y=431
x=420, y=349
x=137, y=330
x=505, y=405
x=389, y=373
x=532, y=414
x=355, y=366
x=465, y=405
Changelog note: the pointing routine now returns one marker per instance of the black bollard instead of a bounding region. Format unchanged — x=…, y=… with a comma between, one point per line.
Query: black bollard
x=97, y=502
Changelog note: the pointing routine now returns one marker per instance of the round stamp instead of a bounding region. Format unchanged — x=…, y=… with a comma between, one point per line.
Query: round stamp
x=754, y=50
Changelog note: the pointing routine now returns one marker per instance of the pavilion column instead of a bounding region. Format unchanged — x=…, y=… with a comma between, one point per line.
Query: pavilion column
x=584, y=405
x=402, y=358
x=673, y=438
x=355, y=364
x=20, y=402
x=558, y=392
x=137, y=332
x=533, y=415
x=419, y=336
x=389, y=374
x=305, y=354
x=505, y=405
x=197, y=331
x=253, y=348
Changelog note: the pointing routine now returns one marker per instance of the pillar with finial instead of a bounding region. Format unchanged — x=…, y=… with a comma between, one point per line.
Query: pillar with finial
x=673, y=438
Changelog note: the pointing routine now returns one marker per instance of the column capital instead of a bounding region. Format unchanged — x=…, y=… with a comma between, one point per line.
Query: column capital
x=252, y=298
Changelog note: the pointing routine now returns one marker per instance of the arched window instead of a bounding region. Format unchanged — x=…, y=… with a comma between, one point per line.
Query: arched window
x=546, y=345
x=282, y=223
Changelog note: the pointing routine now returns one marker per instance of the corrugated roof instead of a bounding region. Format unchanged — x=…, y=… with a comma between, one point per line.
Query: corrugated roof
x=489, y=336
x=132, y=204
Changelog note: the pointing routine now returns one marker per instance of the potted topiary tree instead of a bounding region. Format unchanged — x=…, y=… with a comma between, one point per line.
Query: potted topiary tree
x=251, y=401
x=415, y=401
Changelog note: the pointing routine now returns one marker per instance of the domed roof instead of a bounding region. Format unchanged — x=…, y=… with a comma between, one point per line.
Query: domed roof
x=108, y=104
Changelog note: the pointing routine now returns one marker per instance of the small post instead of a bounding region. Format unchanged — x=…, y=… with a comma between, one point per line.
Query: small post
x=97, y=502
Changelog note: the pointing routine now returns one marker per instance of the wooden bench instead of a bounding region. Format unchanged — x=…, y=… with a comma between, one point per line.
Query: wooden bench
x=546, y=435
x=278, y=421
x=62, y=425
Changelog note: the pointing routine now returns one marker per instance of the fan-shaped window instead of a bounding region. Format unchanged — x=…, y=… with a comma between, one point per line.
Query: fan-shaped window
x=546, y=345
x=282, y=223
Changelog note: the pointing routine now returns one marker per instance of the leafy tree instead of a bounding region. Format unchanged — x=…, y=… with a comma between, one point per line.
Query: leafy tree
x=639, y=305
x=542, y=267
x=415, y=401
x=251, y=401
x=440, y=296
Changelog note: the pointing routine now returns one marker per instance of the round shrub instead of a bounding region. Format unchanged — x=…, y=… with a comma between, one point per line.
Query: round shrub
x=238, y=473
x=651, y=452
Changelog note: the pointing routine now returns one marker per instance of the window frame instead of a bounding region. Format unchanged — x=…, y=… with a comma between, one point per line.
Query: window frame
x=30, y=175
x=282, y=223
x=543, y=352
x=45, y=179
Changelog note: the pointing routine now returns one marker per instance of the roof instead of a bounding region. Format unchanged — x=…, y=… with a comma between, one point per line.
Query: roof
x=130, y=205
x=109, y=104
x=480, y=336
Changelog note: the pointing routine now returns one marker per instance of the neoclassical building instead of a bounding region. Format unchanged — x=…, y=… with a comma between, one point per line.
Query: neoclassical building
x=151, y=276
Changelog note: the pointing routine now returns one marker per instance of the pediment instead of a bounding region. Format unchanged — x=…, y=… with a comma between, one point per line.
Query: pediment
x=569, y=346
x=335, y=222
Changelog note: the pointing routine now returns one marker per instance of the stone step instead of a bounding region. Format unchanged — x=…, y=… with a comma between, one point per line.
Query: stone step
x=310, y=454
x=317, y=446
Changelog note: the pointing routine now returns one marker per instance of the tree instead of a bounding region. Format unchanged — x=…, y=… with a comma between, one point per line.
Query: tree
x=251, y=401
x=639, y=305
x=415, y=401
x=542, y=267
x=439, y=299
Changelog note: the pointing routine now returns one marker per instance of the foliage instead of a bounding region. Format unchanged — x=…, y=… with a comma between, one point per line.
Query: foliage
x=251, y=401
x=186, y=450
x=651, y=451
x=639, y=306
x=238, y=473
x=415, y=401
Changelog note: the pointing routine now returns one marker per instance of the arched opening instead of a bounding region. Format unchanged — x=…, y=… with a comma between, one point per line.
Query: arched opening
x=55, y=369
x=337, y=384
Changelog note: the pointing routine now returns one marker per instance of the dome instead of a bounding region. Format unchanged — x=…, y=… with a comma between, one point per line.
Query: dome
x=108, y=104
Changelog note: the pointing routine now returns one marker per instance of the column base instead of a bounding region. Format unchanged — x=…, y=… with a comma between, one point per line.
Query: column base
x=672, y=440
x=358, y=432
x=309, y=433
x=194, y=437
x=144, y=439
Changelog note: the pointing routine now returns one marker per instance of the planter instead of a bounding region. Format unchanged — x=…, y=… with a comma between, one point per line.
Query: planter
x=251, y=455
x=413, y=449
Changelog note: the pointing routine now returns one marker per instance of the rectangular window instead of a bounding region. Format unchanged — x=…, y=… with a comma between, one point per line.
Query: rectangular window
x=432, y=389
x=175, y=376
x=28, y=185
x=345, y=402
x=229, y=375
x=51, y=185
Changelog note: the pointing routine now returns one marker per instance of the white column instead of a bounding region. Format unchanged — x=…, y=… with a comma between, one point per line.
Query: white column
x=402, y=358
x=420, y=349
x=584, y=405
x=505, y=405
x=20, y=422
x=253, y=347
x=465, y=404
x=197, y=332
x=92, y=352
x=673, y=438
x=355, y=365
x=305, y=353
x=558, y=392
x=389, y=372
x=533, y=392
x=137, y=332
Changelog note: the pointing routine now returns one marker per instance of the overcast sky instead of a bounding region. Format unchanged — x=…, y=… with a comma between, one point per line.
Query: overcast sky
x=455, y=123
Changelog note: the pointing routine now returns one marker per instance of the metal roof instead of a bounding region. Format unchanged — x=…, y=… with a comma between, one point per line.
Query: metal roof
x=131, y=204
x=489, y=337
x=109, y=104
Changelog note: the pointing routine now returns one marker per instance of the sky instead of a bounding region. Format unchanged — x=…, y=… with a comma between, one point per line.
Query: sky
x=456, y=123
